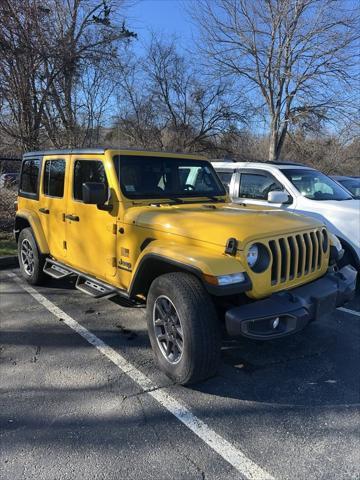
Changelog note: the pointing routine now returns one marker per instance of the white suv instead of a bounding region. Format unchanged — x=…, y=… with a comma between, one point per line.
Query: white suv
x=300, y=189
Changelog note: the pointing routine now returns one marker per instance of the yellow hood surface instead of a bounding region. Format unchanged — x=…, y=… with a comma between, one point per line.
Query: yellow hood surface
x=216, y=223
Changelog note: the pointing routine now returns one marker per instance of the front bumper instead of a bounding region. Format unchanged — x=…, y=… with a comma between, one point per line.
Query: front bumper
x=288, y=312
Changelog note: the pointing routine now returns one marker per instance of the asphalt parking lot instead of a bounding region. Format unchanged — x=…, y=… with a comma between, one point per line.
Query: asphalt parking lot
x=82, y=398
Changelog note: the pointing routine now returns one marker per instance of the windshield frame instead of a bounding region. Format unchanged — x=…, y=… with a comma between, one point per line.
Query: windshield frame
x=288, y=172
x=167, y=196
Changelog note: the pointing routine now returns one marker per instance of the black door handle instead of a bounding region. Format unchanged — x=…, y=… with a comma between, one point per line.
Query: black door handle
x=44, y=210
x=74, y=218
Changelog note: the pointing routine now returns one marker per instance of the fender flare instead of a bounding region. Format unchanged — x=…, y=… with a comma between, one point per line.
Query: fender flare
x=35, y=224
x=157, y=259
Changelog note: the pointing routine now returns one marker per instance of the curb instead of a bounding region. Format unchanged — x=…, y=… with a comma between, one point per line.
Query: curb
x=9, y=261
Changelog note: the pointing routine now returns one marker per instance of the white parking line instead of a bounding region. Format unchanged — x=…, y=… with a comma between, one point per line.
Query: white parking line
x=246, y=467
x=347, y=310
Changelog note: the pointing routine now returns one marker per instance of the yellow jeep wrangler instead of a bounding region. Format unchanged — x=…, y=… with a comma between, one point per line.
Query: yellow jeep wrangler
x=158, y=229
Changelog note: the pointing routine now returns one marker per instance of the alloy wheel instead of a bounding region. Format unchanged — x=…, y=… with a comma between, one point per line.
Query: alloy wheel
x=168, y=329
x=27, y=257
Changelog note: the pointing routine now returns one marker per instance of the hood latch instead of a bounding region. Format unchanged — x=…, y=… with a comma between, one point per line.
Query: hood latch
x=231, y=246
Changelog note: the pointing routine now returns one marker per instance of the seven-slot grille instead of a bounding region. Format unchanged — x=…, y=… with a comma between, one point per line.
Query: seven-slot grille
x=297, y=255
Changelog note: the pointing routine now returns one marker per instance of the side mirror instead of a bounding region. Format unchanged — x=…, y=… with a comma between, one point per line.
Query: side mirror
x=94, y=193
x=278, y=197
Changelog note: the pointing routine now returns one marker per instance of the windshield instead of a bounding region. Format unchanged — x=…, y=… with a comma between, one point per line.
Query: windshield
x=353, y=185
x=315, y=185
x=162, y=177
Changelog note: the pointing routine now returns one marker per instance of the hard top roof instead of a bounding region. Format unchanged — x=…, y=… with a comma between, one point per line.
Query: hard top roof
x=280, y=163
x=102, y=150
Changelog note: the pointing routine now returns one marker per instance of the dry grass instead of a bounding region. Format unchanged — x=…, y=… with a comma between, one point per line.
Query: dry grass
x=7, y=244
x=7, y=208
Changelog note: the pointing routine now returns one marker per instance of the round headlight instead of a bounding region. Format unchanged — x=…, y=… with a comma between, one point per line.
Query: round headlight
x=258, y=257
x=252, y=255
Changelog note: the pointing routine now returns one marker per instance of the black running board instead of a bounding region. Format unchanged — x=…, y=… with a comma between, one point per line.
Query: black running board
x=94, y=288
x=87, y=284
x=56, y=270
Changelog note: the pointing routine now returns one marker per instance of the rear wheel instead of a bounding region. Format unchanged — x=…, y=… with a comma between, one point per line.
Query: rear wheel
x=183, y=328
x=31, y=261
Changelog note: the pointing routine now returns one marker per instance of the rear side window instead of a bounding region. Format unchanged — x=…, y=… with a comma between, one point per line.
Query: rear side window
x=257, y=186
x=54, y=176
x=30, y=177
x=87, y=171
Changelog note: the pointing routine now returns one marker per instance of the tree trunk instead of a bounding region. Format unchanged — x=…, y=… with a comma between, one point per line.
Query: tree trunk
x=276, y=141
x=273, y=141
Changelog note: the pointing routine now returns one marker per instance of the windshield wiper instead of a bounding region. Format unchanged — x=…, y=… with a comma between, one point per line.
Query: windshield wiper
x=177, y=200
x=172, y=200
x=213, y=198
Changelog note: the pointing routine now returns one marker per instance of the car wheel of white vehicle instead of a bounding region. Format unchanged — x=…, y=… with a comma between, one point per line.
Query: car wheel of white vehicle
x=348, y=259
x=183, y=328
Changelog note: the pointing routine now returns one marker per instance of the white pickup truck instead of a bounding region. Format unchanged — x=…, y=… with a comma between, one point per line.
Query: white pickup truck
x=299, y=189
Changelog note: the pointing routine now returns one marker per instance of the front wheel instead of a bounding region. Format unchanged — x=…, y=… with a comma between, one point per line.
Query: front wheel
x=348, y=259
x=31, y=261
x=183, y=328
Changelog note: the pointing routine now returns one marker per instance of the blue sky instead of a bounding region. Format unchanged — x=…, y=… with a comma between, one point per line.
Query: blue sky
x=170, y=18
x=166, y=16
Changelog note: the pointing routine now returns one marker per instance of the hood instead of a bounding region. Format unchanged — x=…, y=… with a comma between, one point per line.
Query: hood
x=341, y=217
x=351, y=206
x=215, y=224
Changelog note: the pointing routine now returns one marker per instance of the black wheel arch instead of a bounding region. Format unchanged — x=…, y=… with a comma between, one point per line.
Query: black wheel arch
x=20, y=224
x=153, y=265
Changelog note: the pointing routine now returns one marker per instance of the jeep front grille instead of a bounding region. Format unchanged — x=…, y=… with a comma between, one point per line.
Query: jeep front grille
x=297, y=255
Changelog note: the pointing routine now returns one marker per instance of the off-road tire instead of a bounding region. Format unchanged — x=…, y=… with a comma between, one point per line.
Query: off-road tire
x=36, y=277
x=201, y=332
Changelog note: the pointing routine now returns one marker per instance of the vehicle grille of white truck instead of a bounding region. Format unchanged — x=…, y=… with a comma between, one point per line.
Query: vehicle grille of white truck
x=297, y=255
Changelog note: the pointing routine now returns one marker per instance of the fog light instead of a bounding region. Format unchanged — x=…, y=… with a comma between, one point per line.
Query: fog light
x=275, y=323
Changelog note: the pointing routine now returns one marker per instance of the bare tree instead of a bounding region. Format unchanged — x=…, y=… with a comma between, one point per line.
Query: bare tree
x=298, y=56
x=136, y=121
x=169, y=105
x=50, y=49
x=23, y=84
x=87, y=38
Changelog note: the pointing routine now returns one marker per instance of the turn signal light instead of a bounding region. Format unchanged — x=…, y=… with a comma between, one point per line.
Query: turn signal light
x=223, y=280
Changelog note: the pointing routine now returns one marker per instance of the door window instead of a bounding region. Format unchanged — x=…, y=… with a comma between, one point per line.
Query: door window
x=258, y=185
x=29, y=177
x=87, y=171
x=54, y=176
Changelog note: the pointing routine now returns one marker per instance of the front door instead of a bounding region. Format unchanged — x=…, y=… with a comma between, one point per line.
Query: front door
x=90, y=232
x=52, y=203
x=253, y=186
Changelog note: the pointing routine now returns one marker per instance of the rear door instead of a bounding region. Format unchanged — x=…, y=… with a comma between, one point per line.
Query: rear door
x=52, y=203
x=90, y=232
